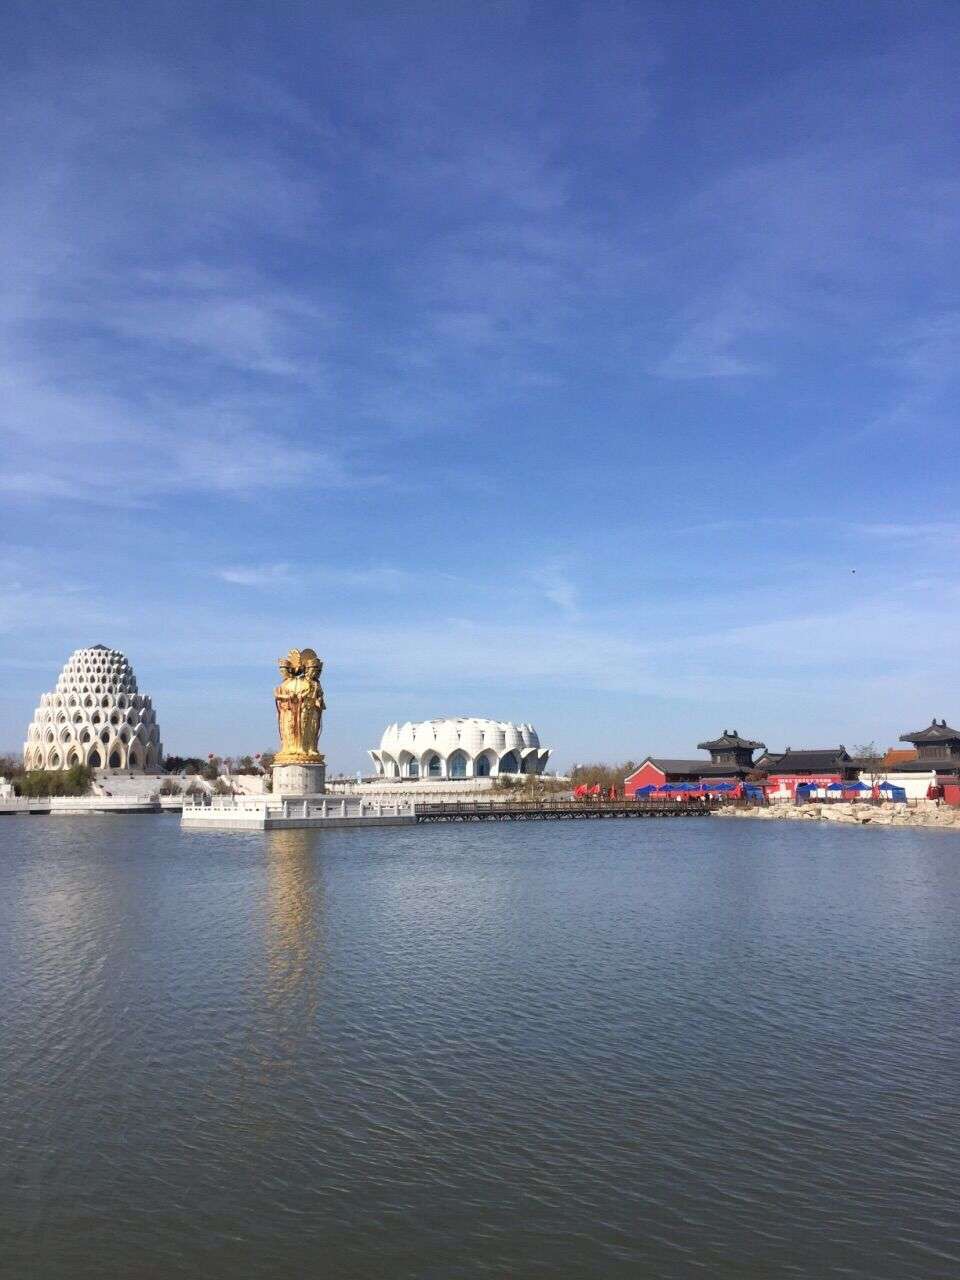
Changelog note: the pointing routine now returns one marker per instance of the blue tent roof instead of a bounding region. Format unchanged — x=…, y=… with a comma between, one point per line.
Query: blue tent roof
x=645, y=791
x=899, y=792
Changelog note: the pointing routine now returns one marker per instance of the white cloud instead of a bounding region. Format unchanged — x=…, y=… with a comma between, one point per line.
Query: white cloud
x=376, y=578
x=266, y=575
x=797, y=237
x=553, y=579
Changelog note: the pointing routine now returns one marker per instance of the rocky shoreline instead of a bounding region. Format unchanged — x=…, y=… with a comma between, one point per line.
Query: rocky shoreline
x=925, y=814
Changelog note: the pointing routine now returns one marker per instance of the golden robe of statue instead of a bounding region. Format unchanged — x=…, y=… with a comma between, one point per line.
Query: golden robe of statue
x=300, y=708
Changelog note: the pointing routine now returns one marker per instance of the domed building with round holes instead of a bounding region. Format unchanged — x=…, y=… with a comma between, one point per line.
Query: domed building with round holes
x=462, y=747
x=95, y=717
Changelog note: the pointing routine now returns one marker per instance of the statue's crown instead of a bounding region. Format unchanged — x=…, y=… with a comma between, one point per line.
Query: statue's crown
x=297, y=660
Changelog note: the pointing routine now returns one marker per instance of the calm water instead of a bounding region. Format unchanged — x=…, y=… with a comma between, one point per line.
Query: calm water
x=637, y=1049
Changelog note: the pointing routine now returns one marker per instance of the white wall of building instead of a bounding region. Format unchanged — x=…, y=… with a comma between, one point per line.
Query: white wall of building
x=96, y=717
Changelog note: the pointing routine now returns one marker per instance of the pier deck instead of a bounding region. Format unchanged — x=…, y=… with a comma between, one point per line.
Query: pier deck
x=272, y=813
x=556, y=810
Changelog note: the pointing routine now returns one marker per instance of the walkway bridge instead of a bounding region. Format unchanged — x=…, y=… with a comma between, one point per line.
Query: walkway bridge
x=553, y=810
x=273, y=813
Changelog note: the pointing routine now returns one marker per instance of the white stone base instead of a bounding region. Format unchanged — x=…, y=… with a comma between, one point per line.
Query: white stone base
x=273, y=813
x=299, y=779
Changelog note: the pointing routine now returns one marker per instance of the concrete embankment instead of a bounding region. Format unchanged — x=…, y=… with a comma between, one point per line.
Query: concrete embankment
x=926, y=814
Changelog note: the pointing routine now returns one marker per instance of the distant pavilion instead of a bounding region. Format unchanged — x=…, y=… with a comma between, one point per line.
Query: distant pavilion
x=937, y=748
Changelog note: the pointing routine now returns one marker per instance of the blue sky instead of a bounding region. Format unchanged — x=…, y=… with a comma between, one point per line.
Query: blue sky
x=588, y=364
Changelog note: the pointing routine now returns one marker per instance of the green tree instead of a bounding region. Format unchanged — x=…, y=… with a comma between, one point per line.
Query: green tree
x=183, y=764
x=211, y=769
x=75, y=781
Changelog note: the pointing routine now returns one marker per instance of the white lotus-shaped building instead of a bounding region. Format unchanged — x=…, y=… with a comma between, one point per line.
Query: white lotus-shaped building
x=94, y=717
x=461, y=747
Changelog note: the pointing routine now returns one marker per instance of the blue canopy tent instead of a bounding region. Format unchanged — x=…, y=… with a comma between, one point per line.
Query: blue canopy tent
x=719, y=786
x=753, y=791
x=896, y=793
x=645, y=791
x=855, y=786
x=835, y=787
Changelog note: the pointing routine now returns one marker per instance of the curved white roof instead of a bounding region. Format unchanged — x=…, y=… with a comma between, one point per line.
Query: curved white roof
x=471, y=733
x=464, y=746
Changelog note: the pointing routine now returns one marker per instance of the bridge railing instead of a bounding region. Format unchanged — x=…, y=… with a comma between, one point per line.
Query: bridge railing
x=441, y=807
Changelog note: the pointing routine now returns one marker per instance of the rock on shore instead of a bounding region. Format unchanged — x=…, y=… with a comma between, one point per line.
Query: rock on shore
x=926, y=814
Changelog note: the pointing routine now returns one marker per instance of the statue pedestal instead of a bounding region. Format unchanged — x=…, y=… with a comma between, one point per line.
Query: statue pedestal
x=299, y=779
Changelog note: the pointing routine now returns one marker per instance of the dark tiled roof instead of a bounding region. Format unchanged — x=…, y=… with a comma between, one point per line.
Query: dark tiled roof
x=693, y=768
x=675, y=766
x=937, y=731
x=942, y=765
x=813, y=759
x=729, y=739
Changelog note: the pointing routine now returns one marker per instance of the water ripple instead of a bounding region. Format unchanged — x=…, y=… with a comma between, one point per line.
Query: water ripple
x=625, y=1049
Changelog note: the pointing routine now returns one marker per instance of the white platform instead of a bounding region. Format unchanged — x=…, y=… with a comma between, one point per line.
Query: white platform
x=272, y=813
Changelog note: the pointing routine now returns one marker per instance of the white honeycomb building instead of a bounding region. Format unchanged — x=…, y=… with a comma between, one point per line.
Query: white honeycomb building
x=464, y=747
x=94, y=717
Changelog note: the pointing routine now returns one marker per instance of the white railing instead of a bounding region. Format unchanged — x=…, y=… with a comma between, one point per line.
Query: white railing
x=289, y=807
x=79, y=804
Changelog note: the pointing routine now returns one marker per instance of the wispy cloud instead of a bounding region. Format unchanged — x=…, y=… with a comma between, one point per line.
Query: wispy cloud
x=934, y=533
x=925, y=356
x=794, y=242
x=139, y=353
x=376, y=578
x=265, y=575
x=554, y=581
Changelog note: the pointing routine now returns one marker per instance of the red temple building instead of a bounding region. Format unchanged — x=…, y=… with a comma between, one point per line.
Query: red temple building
x=731, y=760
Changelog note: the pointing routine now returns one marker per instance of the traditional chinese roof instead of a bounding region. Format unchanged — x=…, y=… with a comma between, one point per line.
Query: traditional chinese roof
x=676, y=766
x=937, y=731
x=895, y=757
x=811, y=760
x=730, y=738
x=933, y=764
x=691, y=768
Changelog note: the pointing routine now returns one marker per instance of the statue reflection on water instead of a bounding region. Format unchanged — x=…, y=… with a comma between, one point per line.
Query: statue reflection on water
x=293, y=953
x=294, y=945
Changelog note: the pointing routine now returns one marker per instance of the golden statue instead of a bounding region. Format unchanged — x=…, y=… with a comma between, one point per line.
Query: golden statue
x=300, y=708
